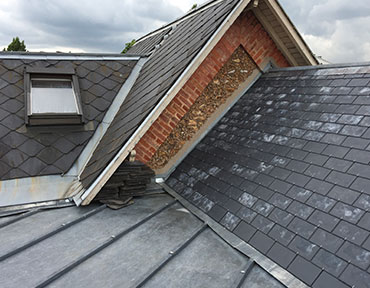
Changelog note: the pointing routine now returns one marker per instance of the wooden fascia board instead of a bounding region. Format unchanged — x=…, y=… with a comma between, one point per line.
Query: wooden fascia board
x=270, y=30
x=291, y=31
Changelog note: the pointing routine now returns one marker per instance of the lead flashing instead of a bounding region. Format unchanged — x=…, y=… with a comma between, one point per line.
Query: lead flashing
x=70, y=57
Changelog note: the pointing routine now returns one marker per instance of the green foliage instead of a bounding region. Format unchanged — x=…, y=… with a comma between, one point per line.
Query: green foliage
x=194, y=6
x=16, y=45
x=128, y=46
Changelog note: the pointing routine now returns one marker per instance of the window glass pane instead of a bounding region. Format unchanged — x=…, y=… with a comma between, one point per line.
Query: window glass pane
x=52, y=96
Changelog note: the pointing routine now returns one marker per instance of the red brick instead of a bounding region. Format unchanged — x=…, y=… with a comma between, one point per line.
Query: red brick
x=246, y=31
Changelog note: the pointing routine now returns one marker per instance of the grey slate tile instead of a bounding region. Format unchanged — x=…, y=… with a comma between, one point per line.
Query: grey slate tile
x=301, y=210
x=325, y=280
x=338, y=164
x=262, y=207
x=345, y=195
x=281, y=255
x=262, y=224
x=230, y=221
x=351, y=232
x=319, y=186
x=298, y=179
x=363, y=202
x=281, y=235
x=303, y=247
x=304, y=270
x=365, y=221
x=358, y=256
x=261, y=242
x=300, y=194
x=331, y=263
x=245, y=231
x=317, y=172
x=280, y=216
x=347, y=212
x=280, y=200
x=361, y=185
x=217, y=212
x=321, y=202
x=324, y=220
x=246, y=214
x=356, y=277
x=247, y=199
x=301, y=227
x=326, y=240
x=340, y=178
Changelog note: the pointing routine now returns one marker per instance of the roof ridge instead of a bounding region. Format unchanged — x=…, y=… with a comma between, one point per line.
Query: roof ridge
x=187, y=15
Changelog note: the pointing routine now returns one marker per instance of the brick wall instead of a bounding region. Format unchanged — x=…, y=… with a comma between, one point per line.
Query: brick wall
x=247, y=32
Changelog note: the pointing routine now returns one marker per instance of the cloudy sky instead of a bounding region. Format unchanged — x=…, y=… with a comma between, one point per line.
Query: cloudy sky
x=337, y=30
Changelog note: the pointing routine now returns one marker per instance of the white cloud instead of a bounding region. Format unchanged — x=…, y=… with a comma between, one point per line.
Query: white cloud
x=84, y=25
x=337, y=30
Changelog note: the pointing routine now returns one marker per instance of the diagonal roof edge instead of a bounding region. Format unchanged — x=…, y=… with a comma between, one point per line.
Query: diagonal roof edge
x=189, y=14
x=279, y=273
x=301, y=51
x=85, y=197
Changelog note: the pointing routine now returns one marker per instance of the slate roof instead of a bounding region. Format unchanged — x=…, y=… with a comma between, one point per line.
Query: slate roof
x=35, y=151
x=161, y=70
x=147, y=45
x=287, y=170
x=155, y=242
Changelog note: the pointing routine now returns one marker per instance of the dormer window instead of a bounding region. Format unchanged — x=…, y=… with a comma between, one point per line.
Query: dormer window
x=53, y=97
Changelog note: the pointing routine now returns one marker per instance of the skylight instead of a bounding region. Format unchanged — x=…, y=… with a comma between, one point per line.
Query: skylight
x=52, y=97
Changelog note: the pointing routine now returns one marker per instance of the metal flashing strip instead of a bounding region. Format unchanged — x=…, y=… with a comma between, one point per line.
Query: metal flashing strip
x=246, y=270
x=99, y=248
x=322, y=66
x=71, y=57
x=279, y=273
x=87, y=196
x=80, y=164
x=24, y=215
x=169, y=257
x=18, y=194
x=52, y=233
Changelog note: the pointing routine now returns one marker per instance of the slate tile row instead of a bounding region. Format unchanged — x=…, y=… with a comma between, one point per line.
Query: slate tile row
x=297, y=163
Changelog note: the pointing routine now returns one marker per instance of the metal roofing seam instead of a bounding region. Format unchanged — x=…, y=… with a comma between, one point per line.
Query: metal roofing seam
x=108, y=242
x=51, y=233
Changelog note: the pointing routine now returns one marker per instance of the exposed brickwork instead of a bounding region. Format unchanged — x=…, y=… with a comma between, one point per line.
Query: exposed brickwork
x=236, y=71
x=247, y=32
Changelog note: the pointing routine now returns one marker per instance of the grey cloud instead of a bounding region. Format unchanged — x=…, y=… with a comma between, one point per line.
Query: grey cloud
x=90, y=25
x=335, y=29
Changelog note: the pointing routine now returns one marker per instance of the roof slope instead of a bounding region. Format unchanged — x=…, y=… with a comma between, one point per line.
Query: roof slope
x=35, y=151
x=287, y=170
x=159, y=73
x=83, y=252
